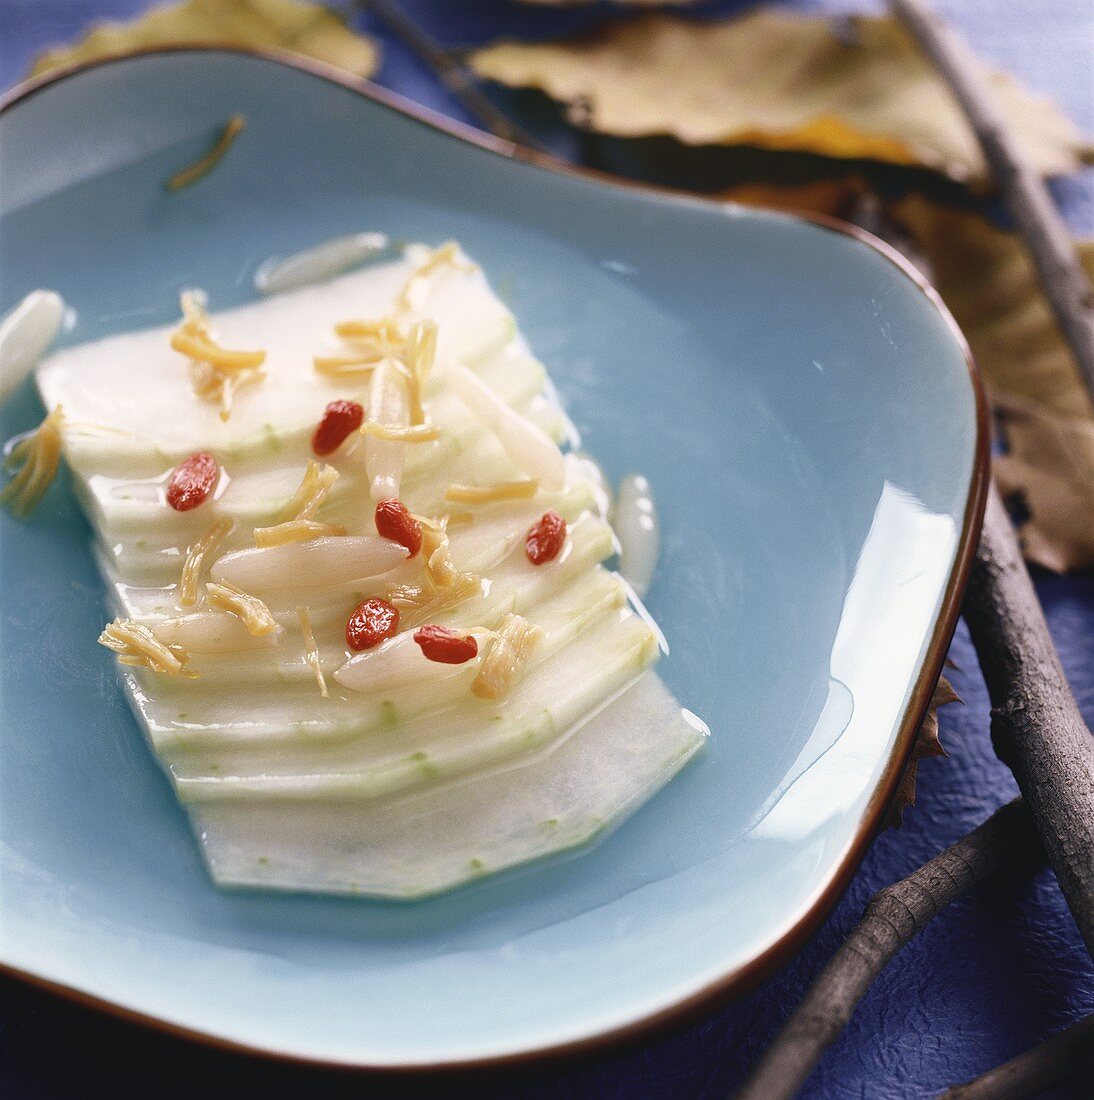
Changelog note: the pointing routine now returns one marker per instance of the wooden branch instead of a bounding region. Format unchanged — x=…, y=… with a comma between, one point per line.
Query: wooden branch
x=1036, y=726
x=1050, y=246
x=449, y=72
x=1033, y=1071
x=1005, y=842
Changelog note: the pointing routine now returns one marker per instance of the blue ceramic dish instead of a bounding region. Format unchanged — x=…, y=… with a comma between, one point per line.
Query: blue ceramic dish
x=808, y=416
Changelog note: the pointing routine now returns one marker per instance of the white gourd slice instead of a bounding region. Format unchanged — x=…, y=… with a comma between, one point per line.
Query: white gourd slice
x=409, y=784
x=558, y=693
x=425, y=843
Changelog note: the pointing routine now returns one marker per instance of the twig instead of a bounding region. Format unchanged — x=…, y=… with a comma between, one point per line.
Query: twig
x=1034, y=1070
x=1005, y=842
x=1065, y=283
x=450, y=72
x=1036, y=726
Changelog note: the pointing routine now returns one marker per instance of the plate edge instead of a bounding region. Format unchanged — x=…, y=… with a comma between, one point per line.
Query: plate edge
x=746, y=977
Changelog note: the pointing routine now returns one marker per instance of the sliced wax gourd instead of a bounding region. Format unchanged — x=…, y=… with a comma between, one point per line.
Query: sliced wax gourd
x=223, y=719
x=105, y=386
x=386, y=790
x=562, y=676
x=418, y=845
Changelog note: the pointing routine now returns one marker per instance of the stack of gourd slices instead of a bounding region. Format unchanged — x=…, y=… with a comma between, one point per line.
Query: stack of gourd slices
x=303, y=764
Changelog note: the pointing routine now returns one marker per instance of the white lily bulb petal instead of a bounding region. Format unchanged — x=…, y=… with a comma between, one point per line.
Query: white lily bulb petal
x=314, y=265
x=527, y=445
x=25, y=336
x=211, y=631
x=337, y=559
x=385, y=458
x=638, y=530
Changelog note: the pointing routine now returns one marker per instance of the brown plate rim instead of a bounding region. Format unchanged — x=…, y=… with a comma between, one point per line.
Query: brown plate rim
x=743, y=978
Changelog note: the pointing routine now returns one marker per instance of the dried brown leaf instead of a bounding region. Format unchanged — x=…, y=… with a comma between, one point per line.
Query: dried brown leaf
x=858, y=87
x=310, y=30
x=987, y=279
x=1049, y=464
x=926, y=744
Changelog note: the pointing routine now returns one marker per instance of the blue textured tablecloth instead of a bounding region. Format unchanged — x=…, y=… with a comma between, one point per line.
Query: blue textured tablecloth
x=988, y=978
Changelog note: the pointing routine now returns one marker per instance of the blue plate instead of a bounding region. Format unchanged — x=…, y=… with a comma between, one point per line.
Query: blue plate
x=807, y=414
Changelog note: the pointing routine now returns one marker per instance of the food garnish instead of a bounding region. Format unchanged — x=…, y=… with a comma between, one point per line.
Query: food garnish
x=488, y=494
x=528, y=446
x=208, y=161
x=26, y=333
x=398, y=433
x=195, y=559
x=545, y=539
x=311, y=650
x=215, y=372
x=319, y=477
x=138, y=647
x=445, y=646
x=340, y=420
x=306, y=501
x=384, y=457
x=411, y=298
x=192, y=480
x=321, y=262
x=435, y=551
x=250, y=610
x=424, y=601
x=296, y=530
x=394, y=521
x=37, y=456
x=373, y=621
x=421, y=352
x=507, y=657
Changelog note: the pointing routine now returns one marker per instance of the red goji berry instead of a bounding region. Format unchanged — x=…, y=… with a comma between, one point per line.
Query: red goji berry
x=340, y=418
x=545, y=539
x=192, y=480
x=372, y=622
x=446, y=647
x=394, y=521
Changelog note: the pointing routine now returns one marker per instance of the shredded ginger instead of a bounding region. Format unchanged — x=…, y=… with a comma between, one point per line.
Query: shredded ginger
x=318, y=480
x=523, y=489
x=195, y=560
x=250, y=610
x=371, y=343
x=411, y=298
x=39, y=455
x=507, y=657
x=138, y=647
x=420, y=357
x=208, y=161
x=419, y=601
x=311, y=650
x=296, y=530
x=215, y=372
x=439, y=567
x=301, y=524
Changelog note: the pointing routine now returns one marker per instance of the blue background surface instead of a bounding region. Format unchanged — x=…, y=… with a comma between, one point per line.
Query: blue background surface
x=987, y=979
